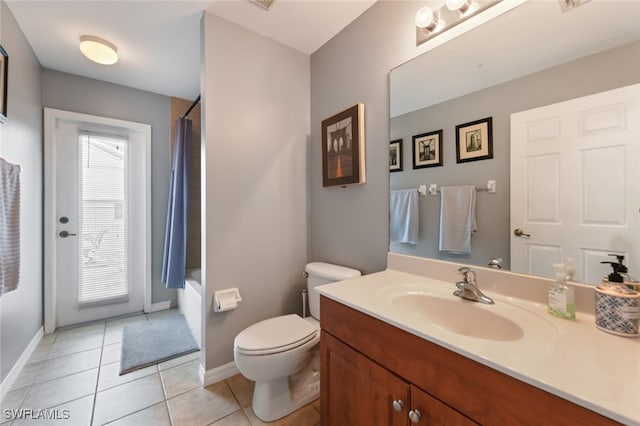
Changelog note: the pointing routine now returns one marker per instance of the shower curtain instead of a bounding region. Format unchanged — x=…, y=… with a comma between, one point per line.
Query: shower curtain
x=175, y=240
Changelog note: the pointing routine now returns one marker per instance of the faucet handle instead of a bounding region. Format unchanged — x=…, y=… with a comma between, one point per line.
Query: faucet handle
x=468, y=274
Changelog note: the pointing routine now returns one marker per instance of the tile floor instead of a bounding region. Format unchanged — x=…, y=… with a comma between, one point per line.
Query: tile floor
x=74, y=372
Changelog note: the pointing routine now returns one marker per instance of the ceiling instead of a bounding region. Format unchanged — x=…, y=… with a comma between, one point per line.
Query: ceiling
x=159, y=41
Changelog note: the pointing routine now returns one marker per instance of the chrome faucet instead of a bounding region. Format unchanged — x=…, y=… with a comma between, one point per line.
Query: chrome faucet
x=468, y=288
x=495, y=263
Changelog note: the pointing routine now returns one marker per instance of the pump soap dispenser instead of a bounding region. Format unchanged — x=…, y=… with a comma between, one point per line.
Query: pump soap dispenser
x=617, y=306
x=561, y=296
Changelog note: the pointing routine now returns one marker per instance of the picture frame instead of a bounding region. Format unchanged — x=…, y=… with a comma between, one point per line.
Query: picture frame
x=427, y=150
x=343, y=149
x=4, y=72
x=395, y=155
x=474, y=140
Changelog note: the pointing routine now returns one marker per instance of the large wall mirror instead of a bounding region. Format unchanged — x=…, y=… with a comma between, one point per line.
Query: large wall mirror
x=526, y=59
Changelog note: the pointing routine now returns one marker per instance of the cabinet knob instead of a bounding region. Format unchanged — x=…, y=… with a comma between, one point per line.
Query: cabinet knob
x=415, y=416
x=398, y=405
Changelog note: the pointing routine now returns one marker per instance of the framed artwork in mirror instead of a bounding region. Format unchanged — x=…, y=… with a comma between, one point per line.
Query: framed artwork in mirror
x=4, y=71
x=474, y=140
x=395, y=155
x=343, y=147
x=427, y=150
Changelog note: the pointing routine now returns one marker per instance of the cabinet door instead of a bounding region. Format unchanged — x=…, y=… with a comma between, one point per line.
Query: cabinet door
x=356, y=391
x=432, y=412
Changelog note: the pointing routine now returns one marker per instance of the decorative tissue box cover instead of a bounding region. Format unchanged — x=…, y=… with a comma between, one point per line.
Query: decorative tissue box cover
x=618, y=310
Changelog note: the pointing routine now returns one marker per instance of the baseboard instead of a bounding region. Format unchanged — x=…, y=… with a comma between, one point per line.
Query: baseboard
x=217, y=374
x=160, y=306
x=8, y=381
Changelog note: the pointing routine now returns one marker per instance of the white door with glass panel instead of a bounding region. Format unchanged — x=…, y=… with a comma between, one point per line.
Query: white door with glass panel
x=99, y=231
x=575, y=184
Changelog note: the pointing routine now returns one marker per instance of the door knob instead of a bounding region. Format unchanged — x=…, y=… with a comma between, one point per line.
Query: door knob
x=398, y=405
x=520, y=233
x=415, y=416
x=65, y=234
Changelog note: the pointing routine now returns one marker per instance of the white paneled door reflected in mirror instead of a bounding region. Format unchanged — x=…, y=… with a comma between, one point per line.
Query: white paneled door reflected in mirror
x=572, y=180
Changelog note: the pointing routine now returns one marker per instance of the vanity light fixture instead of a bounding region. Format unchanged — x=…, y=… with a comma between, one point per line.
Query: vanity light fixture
x=462, y=6
x=98, y=50
x=431, y=22
x=426, y=19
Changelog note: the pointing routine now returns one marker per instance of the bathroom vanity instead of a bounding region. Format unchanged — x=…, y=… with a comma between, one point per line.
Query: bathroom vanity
x=383, y=364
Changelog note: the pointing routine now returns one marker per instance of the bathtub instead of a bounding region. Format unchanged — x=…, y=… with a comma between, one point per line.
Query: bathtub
x=190, y=303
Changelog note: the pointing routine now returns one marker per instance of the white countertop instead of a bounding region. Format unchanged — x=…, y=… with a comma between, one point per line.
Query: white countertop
x=575, y=361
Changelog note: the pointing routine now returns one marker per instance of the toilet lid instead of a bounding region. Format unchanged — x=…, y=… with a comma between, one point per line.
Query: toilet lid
x=275, y=335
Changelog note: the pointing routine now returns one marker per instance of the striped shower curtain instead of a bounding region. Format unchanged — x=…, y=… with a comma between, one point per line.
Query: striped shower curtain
x=175, y=240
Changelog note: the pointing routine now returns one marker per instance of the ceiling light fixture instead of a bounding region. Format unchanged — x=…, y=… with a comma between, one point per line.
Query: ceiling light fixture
x=430, y=22
x=98, y=50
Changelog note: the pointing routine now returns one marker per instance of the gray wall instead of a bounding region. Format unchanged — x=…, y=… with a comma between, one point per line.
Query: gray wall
x=21, y=143
x=84, y=95
x=350, y=226
x=604, y=71
x=255, y=139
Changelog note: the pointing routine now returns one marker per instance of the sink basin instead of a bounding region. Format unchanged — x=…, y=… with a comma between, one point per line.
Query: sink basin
x=437, y=307
x=460, y=317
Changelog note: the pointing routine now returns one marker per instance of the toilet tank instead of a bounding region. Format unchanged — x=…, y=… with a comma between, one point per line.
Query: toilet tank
x=319, y=273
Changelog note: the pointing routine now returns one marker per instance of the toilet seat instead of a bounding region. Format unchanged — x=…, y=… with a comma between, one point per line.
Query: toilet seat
x=275, y=335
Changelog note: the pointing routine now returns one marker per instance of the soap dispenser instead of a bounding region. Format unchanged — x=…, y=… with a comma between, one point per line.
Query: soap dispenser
x=571, y=270
x=618, y=269
x=561, y=297
x=617, y=304
x=621, y=274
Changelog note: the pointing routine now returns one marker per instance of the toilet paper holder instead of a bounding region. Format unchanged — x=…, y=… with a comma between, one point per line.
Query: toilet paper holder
x=226, y=300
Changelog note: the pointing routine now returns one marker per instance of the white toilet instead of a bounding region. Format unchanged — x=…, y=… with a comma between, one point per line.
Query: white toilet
x=281, y=354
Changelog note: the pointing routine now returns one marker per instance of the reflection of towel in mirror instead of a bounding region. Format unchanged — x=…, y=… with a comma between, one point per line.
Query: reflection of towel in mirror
x=9, y=226
x=457, y=218
x=403, y=214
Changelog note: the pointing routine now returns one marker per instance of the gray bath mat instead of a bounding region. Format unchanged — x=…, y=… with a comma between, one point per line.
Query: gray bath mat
x=154, y=341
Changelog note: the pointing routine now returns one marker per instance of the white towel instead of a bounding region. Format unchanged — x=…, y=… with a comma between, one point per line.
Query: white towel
x=403, y=216
x=457, y=218
x=9, y=226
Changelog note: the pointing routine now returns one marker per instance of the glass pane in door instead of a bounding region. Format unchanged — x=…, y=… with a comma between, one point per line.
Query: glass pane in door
x=103, y=219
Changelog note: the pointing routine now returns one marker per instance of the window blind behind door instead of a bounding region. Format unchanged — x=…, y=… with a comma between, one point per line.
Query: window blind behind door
x=103, y=207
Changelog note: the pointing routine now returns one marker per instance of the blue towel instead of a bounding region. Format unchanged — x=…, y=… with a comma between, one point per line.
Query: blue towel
x=403, y=212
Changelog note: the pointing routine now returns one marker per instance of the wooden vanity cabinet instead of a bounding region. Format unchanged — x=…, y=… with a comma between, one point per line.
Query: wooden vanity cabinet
x=360, y=392
x=367, y=365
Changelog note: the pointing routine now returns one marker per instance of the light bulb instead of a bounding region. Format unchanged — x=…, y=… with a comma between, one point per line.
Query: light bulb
x=424, y=17
x=455, y=4
x=458, y=5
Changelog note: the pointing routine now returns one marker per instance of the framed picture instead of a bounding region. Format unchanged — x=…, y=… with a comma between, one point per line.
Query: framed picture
x=395, y=156
x=4, y=71
x=474, y=141
x=343, y=147
x=427, y=150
